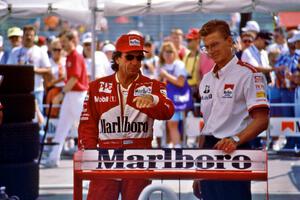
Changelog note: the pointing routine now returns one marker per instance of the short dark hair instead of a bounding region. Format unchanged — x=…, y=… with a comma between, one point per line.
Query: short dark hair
x=279, y=30
x=115, y=56
x=215, y=26
x=69, y=34
x=29, y=28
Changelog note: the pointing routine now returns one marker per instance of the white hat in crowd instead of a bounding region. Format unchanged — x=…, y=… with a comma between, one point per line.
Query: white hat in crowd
x=87, y=37
x=251, y=26
x=14, y=31
x=108, y=47
x=296, y=37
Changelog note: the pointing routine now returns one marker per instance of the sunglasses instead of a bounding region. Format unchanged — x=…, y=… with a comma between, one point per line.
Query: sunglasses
x=56, y=49
x=130, y=57
x=247, y=41
x=169, y=51
x=87, y=44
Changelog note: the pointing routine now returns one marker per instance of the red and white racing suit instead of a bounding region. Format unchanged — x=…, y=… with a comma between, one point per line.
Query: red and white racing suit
x=109, y=122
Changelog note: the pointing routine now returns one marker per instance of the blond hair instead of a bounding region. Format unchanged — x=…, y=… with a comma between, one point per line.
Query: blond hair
x=167, y=46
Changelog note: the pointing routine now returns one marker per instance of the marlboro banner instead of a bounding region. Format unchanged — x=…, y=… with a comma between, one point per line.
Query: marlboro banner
x=170, y=159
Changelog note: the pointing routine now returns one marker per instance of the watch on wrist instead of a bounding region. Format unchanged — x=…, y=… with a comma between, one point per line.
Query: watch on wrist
x=235, y=138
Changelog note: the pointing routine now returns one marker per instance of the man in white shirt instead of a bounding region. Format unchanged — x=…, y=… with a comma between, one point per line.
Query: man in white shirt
x=102, y=65
x=257, y=56
x=30, y=54
x=280, y=43
x=234, y=107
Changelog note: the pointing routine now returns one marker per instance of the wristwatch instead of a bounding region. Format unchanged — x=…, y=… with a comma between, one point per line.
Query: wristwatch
x=235, y=138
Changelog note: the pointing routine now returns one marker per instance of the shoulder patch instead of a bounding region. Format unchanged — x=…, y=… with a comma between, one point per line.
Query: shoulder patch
x=247, y=65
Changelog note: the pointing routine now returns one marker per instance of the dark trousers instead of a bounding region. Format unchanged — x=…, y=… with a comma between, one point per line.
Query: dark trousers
x=224, y=190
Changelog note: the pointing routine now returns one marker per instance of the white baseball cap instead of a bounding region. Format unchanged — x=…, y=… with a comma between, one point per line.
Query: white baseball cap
x=87, y=37
x=296, y=37
x=108, y=47
x=251, y=26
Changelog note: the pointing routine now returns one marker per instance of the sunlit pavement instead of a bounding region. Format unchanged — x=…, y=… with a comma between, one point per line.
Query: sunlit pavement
x=284, y=182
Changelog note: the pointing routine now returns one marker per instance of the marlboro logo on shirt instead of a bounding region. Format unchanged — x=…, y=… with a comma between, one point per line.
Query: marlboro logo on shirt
x=228, y=90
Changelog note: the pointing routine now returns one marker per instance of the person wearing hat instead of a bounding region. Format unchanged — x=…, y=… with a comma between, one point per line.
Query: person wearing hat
x=257, y=56
x=15, y=35
x=31, y=54
x=102, y=66
x=120, y=101
x=191, y=61
x=280, y=43
x=251, y=26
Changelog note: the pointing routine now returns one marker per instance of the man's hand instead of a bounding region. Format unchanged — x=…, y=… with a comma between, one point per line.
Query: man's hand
x=145, y=101
x=227, y=145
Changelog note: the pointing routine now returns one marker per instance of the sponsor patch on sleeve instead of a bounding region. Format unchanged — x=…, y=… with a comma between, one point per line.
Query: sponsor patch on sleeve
x=260, y=94
x=259, y=78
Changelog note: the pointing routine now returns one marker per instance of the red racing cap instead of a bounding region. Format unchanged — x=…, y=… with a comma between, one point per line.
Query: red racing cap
x=193, y=34
x=130, y=42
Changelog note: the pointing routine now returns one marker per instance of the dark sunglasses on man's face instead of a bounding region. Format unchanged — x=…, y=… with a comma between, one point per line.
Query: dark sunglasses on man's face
x=130, y=57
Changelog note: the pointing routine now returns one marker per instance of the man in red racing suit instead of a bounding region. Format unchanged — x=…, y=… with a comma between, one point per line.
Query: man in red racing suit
x=119, y=112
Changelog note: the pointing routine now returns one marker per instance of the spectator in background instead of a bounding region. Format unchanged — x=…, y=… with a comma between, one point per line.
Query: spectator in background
x=288, y=63
x=14, y=35
x=58, y=75
x=151, y=61
x=177, y=39
x=288, y=66
x=73, y=94
x=172, y=70
x=79, y=48
x=31, y=54
x=247, y=39
x=280, y=42
x=257, y=56
x=295, y=39
x=191, y=60
x=102, y=66
x=41, y=42
x=252, y=27
x=108, y=50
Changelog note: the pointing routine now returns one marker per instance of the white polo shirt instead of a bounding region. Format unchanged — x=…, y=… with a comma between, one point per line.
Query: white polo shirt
x=228, y=96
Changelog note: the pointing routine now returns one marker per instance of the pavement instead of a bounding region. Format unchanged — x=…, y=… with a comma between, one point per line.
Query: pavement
x=283, y=182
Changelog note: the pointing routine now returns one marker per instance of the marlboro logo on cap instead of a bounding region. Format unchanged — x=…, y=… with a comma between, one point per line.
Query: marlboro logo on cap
x=130, y=42
x=134, y=41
